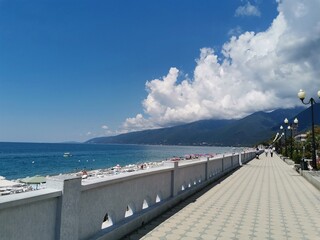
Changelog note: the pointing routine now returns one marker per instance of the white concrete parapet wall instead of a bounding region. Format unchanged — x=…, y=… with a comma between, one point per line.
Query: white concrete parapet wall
x=30, y=215
x=109, y=207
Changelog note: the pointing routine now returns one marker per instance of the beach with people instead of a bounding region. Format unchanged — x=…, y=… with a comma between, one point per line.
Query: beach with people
x=34, y=183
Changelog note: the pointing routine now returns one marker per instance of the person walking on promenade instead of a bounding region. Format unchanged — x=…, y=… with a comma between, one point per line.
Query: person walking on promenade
x=266, y=151
x=271, y=152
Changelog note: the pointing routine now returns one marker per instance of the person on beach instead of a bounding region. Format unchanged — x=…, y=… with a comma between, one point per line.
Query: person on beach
x=271, y=152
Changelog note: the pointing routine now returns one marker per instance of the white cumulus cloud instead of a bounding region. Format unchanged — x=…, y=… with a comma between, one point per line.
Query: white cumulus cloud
x=235, y=31
x=259, y=71
x=248, y=10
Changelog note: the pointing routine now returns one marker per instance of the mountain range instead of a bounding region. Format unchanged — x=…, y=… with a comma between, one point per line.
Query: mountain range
x=248, y=131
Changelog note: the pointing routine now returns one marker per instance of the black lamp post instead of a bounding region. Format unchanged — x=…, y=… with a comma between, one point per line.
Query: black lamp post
x=302, y=95
x=285, y=136
x=281, y=128
x=292, y=126
x=278, y=142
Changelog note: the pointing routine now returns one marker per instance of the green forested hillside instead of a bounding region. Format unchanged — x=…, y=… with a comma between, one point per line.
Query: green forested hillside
x=247, y=131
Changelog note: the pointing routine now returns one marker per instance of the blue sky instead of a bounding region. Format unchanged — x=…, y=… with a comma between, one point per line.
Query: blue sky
x=73, y=70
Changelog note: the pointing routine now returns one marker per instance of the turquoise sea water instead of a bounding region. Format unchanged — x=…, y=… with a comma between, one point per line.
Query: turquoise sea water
x=18, y=160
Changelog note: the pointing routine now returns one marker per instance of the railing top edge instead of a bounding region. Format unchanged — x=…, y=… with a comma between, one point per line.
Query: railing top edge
x=192, y=162
x=112, y=179
x=169, y=166
x=28, y=197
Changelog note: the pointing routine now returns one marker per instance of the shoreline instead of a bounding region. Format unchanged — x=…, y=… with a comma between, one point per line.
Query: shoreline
x=9, y=187
x=88, y=175
x=29, y=159
x=16, y=186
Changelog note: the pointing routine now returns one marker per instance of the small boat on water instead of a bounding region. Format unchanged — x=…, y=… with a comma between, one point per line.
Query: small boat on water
x=67, y=154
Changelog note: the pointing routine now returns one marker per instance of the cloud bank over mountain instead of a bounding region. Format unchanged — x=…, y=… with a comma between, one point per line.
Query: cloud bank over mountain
x=258, y=71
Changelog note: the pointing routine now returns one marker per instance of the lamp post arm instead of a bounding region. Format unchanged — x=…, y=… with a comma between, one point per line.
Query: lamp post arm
x=305, y=103
x=312, y=101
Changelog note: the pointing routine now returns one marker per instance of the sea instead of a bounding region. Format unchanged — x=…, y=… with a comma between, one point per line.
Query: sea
x=20, y=160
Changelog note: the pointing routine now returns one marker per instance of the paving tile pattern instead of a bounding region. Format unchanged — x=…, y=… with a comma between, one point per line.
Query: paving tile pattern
x=265, y=199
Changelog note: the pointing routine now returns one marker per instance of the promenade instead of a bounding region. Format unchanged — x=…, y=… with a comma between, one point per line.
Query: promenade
x=264, y=199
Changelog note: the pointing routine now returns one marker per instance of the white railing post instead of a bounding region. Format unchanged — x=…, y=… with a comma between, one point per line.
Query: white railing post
x=174, y=178
x=68, y=211
x=222, y=162
x=207, y=169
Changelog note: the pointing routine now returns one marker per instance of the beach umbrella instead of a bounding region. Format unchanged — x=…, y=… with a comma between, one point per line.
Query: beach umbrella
x=34, y=180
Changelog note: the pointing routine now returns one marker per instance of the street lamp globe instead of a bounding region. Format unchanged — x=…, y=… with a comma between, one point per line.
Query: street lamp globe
x=319, y=94
x=286, y=121
x=295, y=121
x=281, y=127
x=302, y=94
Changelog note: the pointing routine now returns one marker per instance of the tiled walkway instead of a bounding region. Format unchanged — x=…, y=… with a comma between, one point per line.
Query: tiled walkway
x=264, y=199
